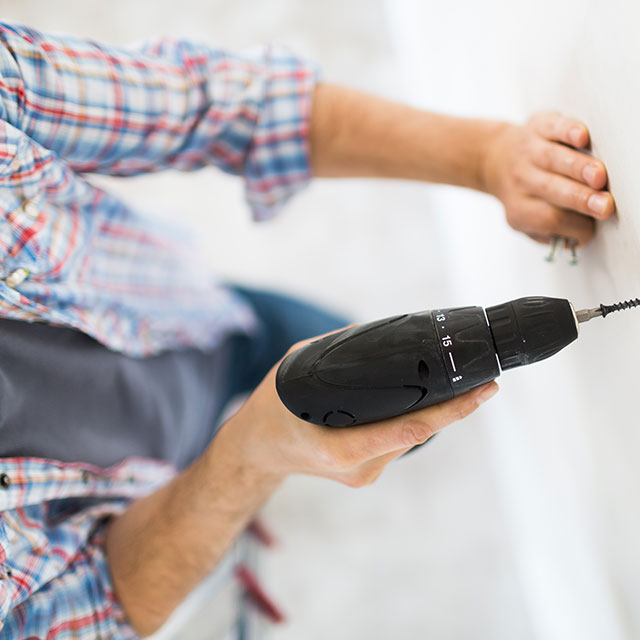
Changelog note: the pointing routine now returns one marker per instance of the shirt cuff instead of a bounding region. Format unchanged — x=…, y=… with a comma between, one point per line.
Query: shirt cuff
x=278, y=164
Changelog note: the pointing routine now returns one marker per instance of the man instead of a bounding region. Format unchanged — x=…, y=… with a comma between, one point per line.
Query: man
x=116, y=499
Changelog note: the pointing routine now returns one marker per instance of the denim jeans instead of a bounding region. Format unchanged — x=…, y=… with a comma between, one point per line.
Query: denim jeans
x=283, y=321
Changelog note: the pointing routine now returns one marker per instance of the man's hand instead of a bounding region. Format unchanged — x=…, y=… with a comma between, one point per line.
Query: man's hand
x=278, y=442
x=547, y=186
x=164, y=544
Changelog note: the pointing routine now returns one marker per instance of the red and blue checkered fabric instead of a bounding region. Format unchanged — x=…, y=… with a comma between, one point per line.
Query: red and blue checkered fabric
x=73, y=254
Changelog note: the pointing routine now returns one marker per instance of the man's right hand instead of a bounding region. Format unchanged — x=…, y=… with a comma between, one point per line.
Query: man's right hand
x=277, y=443
x=163, y=545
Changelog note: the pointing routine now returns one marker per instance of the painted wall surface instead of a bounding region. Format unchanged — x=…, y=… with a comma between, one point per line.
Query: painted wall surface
x=565, y=436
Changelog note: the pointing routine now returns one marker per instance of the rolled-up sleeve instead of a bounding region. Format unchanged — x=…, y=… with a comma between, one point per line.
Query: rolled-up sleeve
x=56, y=583
x=168, y=104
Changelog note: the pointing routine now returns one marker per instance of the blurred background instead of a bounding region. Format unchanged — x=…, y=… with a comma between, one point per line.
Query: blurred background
x=521, y=521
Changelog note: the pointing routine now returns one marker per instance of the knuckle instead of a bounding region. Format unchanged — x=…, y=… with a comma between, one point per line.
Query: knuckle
x=566, y=162
x=521, y=218
x=464, y=408
x=548, y=220
x=580, y=197
x=546, y=156
x=362, y=478
x=415, y=431
x=538, y=120
x=343, y=460
x=520, y=175
x=325, y=458
x=513, y=217
x=547, y=182
x=558, y=161
x=559, y=128
x=354, y=481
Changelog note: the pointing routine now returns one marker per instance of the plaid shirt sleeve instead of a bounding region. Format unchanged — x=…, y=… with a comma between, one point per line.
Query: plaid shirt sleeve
x=168, y=104
x=54, y=575
x=71, y=253
x=64, y=587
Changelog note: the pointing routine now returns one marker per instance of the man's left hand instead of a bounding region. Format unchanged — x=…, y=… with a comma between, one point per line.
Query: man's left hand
x=548, y=185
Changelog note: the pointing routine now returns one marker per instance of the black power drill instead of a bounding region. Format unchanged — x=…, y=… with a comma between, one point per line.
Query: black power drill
x=404, y=363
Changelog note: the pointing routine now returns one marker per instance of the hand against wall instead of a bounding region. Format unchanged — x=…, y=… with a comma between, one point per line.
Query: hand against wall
x=547, y=186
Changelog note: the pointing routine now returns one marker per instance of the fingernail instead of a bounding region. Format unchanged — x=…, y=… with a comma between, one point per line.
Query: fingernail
x=589, y=173
x=488, y=392
x=575, y=133
x=598, y=203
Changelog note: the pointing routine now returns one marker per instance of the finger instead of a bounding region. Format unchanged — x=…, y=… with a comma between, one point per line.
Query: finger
x=371, y=441
x=569, y=194
x=557, y=158
x=368, y=472
x=555, y=126
x=543, y=221
x=542, y=239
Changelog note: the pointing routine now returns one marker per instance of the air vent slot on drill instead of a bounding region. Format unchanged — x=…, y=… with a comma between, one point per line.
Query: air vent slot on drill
x=423, y=371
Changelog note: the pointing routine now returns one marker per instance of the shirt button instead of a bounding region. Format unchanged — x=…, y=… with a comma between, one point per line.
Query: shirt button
x=16, y=278
x=5, y=481
x=31, y=209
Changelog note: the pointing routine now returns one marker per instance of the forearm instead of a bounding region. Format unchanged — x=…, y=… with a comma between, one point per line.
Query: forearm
x=166, y=543
x=357, y=134
x=163, y=545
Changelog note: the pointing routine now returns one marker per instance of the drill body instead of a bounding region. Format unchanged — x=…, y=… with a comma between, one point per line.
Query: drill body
x=400, y=364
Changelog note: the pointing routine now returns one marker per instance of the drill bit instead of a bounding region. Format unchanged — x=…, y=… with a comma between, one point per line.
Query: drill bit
x=584, y=315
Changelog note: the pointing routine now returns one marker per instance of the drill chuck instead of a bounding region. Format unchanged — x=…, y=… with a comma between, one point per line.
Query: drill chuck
x=389, y=367
x=531, y=329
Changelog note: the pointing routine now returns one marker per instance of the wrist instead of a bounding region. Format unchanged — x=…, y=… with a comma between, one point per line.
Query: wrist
x=493, y=154
x=237, y=452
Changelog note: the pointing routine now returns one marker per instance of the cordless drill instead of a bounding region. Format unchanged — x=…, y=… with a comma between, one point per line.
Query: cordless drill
x=386, y=368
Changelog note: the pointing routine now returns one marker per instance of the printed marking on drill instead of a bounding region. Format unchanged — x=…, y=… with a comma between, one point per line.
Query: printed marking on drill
x=453, y=364
x=447, y=342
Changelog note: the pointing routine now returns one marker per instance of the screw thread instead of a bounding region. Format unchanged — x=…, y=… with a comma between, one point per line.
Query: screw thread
x=619, y=306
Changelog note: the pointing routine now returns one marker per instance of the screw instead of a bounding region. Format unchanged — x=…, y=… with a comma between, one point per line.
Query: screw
x=554, y=244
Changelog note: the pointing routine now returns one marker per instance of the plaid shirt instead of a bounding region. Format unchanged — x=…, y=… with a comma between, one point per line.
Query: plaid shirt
x=74, y=255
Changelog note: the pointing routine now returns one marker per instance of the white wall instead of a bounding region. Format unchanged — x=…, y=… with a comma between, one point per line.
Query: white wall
x=565, y=433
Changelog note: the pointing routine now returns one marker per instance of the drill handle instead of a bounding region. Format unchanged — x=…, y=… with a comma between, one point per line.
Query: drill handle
x=366, y=373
